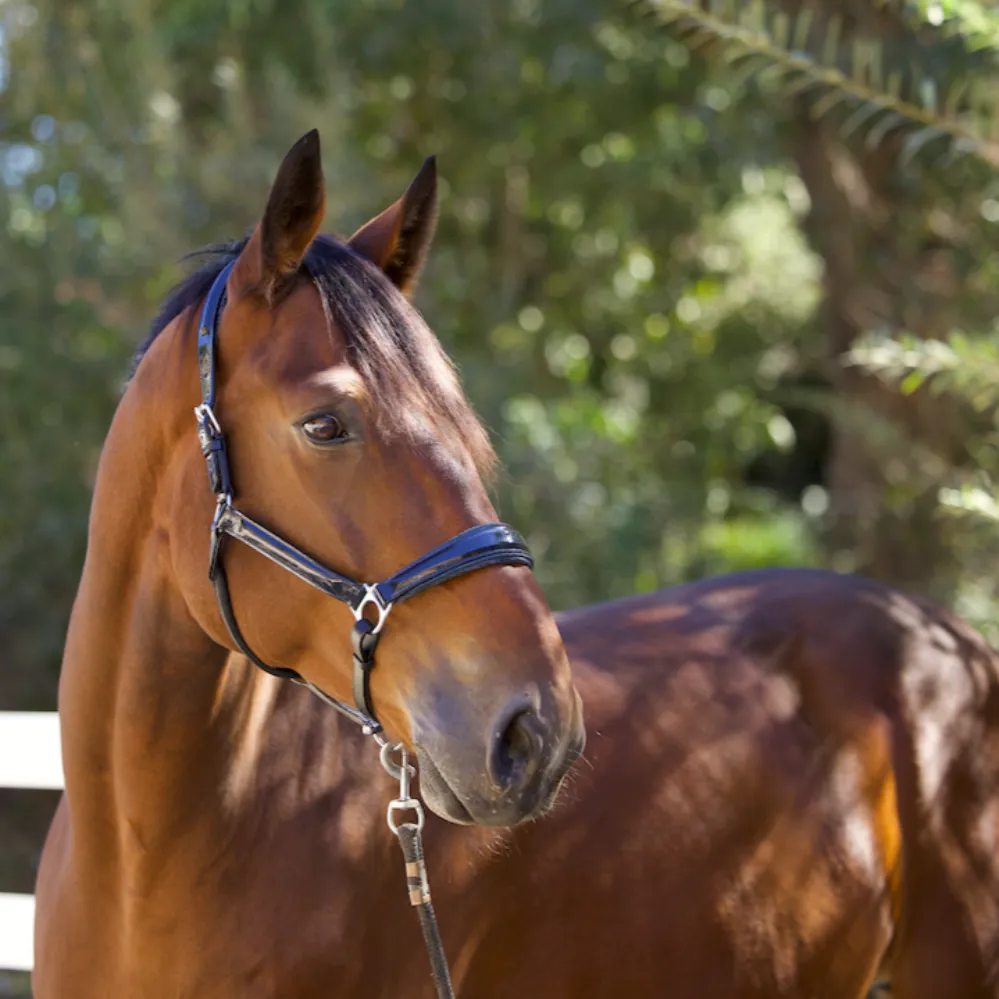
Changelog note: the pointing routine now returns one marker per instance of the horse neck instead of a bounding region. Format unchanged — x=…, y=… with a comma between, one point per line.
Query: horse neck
x=155, y=719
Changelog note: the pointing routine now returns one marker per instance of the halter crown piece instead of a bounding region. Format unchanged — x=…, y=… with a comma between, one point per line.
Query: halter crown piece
x=477, y=548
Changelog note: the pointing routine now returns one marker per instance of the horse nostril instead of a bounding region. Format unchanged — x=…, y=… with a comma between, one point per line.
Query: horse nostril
x=517, y=748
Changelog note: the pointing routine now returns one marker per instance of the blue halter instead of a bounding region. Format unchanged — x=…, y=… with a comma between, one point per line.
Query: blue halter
x=477, y=548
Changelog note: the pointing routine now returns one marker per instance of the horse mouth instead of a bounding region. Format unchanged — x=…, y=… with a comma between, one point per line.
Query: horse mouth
x=443, y=800
x=438, y=794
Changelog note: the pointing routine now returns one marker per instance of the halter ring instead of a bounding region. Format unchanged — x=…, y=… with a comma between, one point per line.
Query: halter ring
x=373, y=598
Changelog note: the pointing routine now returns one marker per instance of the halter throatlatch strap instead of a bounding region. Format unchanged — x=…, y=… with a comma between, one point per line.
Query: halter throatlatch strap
x=477, y=548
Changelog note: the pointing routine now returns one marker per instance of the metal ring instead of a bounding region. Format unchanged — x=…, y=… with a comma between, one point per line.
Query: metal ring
x=405, y=805
x=373, y=597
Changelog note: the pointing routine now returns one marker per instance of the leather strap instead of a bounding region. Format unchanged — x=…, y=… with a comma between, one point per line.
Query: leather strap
x=207, y=330
x=477, y=548
x=221, y=584
x=364, y=640
x=237, y=525
x=365, y=718
x=411, y=841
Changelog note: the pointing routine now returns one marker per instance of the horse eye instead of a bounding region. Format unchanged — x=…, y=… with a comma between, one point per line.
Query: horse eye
x=324, y=429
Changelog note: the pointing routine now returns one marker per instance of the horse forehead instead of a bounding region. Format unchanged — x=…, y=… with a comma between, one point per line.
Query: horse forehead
x=302, y=341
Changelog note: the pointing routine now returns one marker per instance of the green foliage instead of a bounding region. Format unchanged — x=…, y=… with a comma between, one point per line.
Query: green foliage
x=966, y=367
x=941, y=96
x=961, y=365
x=973, y=22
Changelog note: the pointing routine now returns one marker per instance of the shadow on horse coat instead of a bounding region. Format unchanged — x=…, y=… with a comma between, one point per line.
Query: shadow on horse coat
x=789, y=782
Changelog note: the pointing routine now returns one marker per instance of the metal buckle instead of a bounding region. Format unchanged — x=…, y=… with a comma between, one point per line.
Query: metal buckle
x=223, y=503
x=206, y=417
x=374, y=598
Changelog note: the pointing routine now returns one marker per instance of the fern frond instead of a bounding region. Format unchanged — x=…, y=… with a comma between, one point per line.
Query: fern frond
x=945, y=93
x=975, y=23
x=970, y=498
x=963, y=365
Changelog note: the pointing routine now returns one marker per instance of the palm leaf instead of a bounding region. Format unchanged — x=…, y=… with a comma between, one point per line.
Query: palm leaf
x=935, y=81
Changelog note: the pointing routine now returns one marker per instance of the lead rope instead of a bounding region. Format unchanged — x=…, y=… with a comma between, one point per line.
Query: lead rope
x=410, y=836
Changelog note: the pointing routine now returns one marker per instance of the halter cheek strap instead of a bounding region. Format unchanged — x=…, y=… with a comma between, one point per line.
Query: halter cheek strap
x=477, y=548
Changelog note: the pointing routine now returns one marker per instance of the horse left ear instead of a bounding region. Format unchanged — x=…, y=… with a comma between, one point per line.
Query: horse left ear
x=399, y=239
x=294, y=212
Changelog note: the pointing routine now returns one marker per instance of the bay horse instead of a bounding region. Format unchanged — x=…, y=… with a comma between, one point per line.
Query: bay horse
x=790, y=778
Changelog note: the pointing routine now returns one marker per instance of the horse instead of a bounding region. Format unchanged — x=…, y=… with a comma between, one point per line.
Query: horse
x=784, y=787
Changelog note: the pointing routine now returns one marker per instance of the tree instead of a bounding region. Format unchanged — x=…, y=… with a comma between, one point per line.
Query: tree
x=889, y=111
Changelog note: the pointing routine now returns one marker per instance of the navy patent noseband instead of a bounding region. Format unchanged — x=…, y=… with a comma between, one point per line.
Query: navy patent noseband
x=477, y=548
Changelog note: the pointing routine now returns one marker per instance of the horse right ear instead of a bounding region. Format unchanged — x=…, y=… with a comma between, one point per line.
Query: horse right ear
x=294, y=213
x=398, y=239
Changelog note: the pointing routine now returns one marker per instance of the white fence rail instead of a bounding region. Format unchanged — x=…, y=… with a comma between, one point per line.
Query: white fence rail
x=30, y=757
x=17, y=922
x=30, y=752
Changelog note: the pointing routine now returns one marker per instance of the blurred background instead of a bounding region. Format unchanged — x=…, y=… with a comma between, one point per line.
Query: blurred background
x=720, y=276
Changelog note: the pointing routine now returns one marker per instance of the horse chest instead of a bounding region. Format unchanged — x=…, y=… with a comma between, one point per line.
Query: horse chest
x=301, y=931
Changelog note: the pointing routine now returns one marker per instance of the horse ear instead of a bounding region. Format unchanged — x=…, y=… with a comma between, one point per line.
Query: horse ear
x=399, y=239
x=294, y=213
